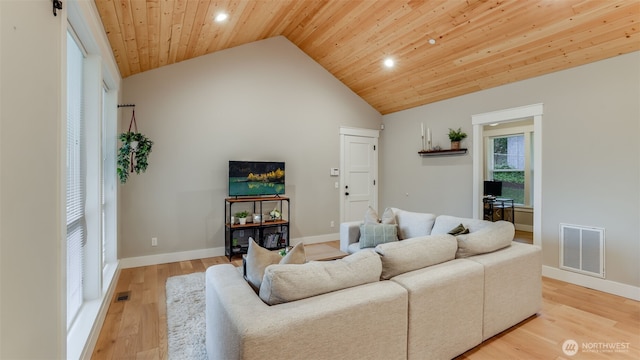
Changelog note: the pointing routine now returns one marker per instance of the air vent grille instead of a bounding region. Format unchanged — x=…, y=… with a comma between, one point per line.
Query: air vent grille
x=582, y=249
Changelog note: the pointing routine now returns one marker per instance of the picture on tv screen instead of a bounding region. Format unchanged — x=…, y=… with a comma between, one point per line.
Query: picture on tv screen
x=254, y=178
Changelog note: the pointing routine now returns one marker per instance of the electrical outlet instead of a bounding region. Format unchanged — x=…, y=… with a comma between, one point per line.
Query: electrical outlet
x=154, y=241
x=332, y=224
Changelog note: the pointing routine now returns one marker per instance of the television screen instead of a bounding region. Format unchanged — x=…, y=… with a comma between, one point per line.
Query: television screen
x=254, y=178
x=493, y=188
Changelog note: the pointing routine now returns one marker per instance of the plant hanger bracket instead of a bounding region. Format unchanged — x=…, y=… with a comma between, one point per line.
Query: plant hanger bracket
x=133, y=121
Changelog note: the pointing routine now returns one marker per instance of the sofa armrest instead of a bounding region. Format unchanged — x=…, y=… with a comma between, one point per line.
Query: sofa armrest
x=240, y=326
x=349, y=234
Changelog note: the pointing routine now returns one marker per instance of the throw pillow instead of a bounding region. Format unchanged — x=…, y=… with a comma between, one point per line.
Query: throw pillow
x=258, y=258
x=459, y=230
x=371, y=216
x=388, y=217
x=371, y=235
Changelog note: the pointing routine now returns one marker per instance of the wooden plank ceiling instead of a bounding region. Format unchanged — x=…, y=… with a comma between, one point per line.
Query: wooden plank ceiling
x=479, y=44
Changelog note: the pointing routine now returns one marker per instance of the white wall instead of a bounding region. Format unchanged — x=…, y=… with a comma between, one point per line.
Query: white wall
x=261, y=101
x=33, y=324
x=590, y=162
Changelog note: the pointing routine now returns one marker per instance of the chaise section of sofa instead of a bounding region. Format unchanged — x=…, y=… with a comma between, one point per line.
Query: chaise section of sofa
x=445, y=309
x=363, y=322
x=512, y=286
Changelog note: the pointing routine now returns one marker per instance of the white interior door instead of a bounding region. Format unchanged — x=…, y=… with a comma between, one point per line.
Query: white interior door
x=359, y=178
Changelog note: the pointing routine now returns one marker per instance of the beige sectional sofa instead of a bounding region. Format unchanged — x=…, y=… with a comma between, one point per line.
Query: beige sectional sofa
x=433, y=296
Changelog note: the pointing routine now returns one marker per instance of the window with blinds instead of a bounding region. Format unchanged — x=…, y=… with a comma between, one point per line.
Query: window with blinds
x=76, y=231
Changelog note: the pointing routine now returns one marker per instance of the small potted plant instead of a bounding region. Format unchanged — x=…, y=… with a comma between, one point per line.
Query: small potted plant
x=242, y=217
x=456, y=136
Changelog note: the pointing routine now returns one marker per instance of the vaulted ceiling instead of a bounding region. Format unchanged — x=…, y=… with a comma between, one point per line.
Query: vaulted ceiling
x=441, y=48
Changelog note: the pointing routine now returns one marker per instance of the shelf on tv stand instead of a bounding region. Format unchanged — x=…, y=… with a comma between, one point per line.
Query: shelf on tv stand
x=261, y=231
x=256, y=198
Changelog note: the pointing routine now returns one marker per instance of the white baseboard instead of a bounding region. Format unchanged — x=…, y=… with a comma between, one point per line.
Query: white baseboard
x=315, y=239
x=170, y=257
x=205, y=253
x=521, y=227
x=608, y=286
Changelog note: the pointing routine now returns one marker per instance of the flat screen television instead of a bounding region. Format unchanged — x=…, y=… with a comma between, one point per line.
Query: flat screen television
x=493, y=188
x=256, y=178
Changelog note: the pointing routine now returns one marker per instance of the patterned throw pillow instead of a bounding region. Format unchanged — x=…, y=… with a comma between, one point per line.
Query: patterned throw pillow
x=459, y=230
x=373, y=234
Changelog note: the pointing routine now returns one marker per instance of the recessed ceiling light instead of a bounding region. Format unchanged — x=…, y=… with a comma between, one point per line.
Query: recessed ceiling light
x=221, y=17
x=389, y=62
x=432, y=41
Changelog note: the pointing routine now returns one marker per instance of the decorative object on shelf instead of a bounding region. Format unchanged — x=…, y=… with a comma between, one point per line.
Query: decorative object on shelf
x=275, y=214
x=285, y=250
x=456, y=136
x=426, y=139
x=257, y=218
x=242, y=217
x=134, y=152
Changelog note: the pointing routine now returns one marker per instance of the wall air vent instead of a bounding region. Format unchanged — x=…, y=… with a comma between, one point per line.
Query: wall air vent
x=582, y=249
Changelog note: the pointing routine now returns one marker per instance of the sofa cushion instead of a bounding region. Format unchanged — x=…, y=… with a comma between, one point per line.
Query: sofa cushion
x=445, y=223
x=374, y=234
x=353, y=248
x=416, y=253
x=496, y=236
x=412, y=224
x=284, y=283
x=258, y=258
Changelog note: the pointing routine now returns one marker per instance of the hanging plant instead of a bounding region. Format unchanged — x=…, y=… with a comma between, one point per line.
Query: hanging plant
x=133, y=154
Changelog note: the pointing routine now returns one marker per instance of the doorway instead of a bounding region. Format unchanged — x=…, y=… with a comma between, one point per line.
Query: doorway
x=359, y=172
x=503, y=116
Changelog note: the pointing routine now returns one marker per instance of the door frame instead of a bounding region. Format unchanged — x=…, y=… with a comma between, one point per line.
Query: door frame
x=351, y=131
x=478, y=121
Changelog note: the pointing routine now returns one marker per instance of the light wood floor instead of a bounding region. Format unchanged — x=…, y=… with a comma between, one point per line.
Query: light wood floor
x=136, y=329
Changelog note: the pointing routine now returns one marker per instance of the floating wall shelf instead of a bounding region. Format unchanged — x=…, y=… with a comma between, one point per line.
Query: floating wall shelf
x=442, y=152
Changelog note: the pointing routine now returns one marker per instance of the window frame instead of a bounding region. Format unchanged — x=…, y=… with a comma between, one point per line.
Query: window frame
x=526, y=129
x=83, y=22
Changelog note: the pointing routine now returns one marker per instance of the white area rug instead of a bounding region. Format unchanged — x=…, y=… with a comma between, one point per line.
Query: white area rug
x=185, y=317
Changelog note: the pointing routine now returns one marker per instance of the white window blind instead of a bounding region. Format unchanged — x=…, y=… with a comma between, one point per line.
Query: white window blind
x=76, y=232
